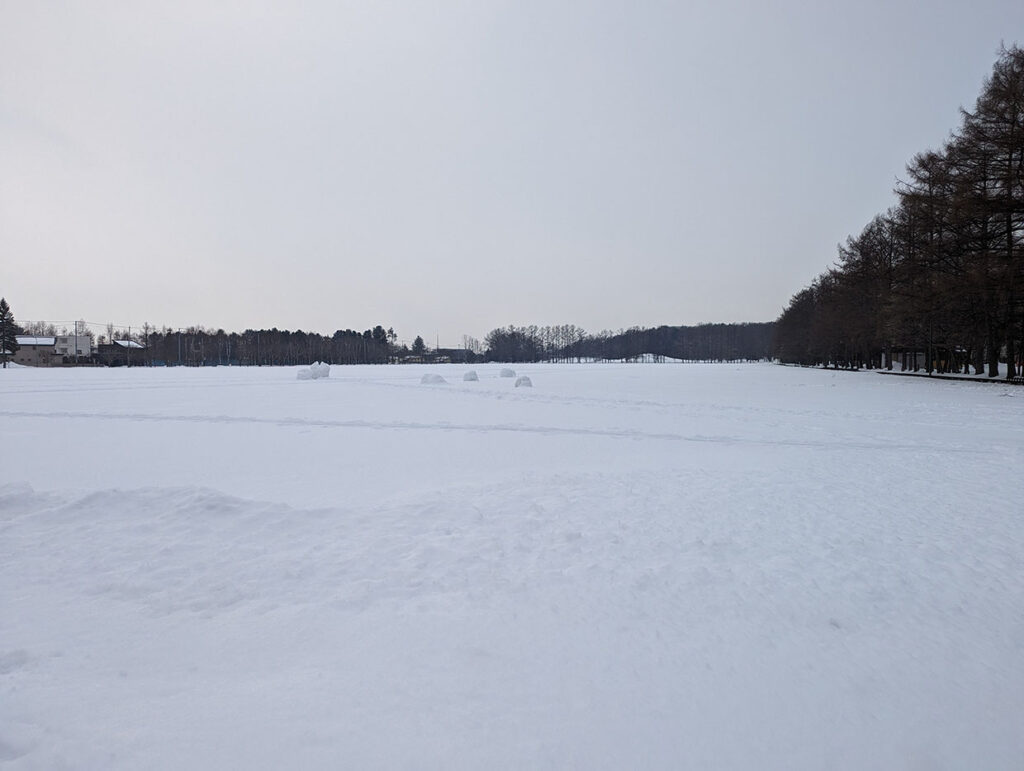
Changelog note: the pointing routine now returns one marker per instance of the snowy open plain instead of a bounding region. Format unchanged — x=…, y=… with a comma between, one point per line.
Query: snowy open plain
x=625, y=566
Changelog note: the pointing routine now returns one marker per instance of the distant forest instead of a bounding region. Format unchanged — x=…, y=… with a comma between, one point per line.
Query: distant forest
x=937, y=281
x=706, y=342
x=197, y=346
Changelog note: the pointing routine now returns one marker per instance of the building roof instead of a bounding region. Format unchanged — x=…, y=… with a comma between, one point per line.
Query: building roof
x=128, y=344
x=29, y=340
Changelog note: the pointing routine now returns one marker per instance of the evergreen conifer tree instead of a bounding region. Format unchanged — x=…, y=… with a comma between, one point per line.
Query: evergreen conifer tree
x=8, y=332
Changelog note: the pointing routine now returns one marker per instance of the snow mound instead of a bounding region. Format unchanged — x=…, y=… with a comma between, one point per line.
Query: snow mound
x=471, y=375
x=431, y=379
x=507, y=373
x=314, y=371
x=524, y=382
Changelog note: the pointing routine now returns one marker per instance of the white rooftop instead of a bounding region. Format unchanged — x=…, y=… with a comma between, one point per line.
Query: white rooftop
x=29, y=340
x=128, y=344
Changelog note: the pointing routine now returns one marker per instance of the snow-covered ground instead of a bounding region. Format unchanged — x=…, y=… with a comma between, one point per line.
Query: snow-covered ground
x=625, y=566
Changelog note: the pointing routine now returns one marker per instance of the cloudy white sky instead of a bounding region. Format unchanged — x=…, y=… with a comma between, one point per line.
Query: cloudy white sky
x=448, y=167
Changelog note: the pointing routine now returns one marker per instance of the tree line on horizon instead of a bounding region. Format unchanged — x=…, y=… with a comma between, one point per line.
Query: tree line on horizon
x=198, y=346
x=704, y=342
x=937, y=281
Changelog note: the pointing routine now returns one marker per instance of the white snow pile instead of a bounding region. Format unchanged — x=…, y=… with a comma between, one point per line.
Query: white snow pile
x=432, y=379
x=524, y=382
x=471, y=375
x=314, y=371
x=505, y=372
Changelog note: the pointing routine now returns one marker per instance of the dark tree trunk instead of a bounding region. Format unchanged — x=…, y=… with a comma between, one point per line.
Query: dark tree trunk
x=979, y=358
x=993, y=353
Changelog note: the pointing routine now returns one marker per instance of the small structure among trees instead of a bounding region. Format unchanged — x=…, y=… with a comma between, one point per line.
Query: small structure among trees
x=121, y=353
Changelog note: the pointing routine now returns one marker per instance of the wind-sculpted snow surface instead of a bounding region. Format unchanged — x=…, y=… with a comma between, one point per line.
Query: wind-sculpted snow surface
x=635, y=566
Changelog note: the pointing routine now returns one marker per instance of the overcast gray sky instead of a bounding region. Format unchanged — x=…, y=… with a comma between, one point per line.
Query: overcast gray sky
x=446, y=168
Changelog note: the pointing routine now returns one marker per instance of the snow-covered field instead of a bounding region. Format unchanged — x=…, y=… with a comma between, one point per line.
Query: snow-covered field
x=624, y=566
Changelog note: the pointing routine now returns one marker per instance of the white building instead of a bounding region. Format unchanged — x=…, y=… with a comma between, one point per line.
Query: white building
x=73, y=345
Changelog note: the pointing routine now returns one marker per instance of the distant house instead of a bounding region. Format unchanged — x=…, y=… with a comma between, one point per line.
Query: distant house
x=36, y=351
x=121, y=353
x=456, y=355
x=73, y=345
x=440, y=356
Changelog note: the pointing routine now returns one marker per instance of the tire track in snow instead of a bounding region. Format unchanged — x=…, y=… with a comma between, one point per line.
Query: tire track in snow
x=501, y=428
